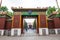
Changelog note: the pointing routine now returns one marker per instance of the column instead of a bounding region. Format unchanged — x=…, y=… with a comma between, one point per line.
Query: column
x=43, y=30
x=56, y=24
x=16, y=25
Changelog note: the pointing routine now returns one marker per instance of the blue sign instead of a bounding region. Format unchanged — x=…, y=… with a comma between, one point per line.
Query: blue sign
x=30, y=12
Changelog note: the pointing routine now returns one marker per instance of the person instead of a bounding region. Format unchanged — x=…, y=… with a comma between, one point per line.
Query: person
x=26, y=28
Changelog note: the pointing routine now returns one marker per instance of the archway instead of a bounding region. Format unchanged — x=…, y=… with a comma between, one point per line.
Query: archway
x=29, y=23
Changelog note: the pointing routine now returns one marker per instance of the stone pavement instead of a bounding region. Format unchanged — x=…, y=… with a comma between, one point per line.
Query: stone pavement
x=31, y=37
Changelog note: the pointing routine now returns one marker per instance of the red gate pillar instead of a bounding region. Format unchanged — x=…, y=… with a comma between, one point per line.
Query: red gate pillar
x=38, y=23
x=16, y=25
x=21, y=24
x=43, y=29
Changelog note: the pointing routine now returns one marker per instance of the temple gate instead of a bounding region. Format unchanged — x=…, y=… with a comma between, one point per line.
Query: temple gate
x=17, y=20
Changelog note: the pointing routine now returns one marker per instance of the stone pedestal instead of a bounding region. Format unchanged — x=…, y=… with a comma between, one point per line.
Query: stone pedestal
x=1, y=32
x=43, y=31
x=51, y=31
x=15, y=32
x=57, y=31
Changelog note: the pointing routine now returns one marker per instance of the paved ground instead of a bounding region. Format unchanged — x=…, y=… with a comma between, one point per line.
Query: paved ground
x=31, y=37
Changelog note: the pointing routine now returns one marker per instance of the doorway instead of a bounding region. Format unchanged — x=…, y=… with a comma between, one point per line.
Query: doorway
x=30, y=24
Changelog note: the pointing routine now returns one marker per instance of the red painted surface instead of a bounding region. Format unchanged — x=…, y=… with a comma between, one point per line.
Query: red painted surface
x=37, y=28
x=2, y=22
x=50, y=24
x=43, y=21
x=16, y=22
x=22, y=28
x=8, y=24
x=56, y=22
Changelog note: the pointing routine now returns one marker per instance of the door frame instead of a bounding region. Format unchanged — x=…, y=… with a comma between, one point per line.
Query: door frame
x=22, y=28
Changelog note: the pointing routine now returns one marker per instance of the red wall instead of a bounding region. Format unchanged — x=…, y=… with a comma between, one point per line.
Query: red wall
x=8, y=24
x=2, y=22
x=50, y=24
x=16, y=21
x=43, y=21
x=56, y=22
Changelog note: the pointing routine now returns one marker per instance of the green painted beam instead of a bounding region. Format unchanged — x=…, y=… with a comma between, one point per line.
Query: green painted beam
x=27, y=13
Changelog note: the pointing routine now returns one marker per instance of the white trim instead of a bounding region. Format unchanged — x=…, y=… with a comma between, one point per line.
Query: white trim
x=41, y=32
x=2, y=32
x=51, y=31
x=18, y=31
x=56, y=30
x=7, y=32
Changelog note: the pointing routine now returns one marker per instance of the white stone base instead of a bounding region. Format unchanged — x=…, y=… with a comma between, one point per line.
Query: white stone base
x=1, y=32
x=18, y=31
x=41, y=31
x=7, y=32
x=51, y=31
x=56, y=31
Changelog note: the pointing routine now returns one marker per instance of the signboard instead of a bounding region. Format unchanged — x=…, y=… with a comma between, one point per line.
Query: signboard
x=30, y=12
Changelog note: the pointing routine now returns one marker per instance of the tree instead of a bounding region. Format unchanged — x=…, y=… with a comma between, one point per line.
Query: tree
x=34, y=24
x=57, y=4
x=25, y=25
x=58, y=15
x=0, y=2
x=3, y=8
x=50, y=10
x=9, y=13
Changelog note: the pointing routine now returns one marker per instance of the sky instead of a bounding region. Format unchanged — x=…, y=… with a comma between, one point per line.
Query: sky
x=29, y=3
x=30, y=20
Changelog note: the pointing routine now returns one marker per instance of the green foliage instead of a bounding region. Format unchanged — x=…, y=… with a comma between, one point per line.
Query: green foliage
x=0, y=9
x=3, y=8
x=59, y=10
x=58, y=15
x=34, y=25
x=50, y=10
x=9, y=13
x=25, y=25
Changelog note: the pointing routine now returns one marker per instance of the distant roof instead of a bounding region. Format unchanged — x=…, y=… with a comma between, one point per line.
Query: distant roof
x=26, y=9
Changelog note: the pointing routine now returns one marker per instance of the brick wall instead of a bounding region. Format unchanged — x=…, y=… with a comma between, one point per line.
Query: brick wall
x=56, y=22
x=2, y=22
x=43, y=21
x=16, y=21
x=8, y=24
x=50, y=24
